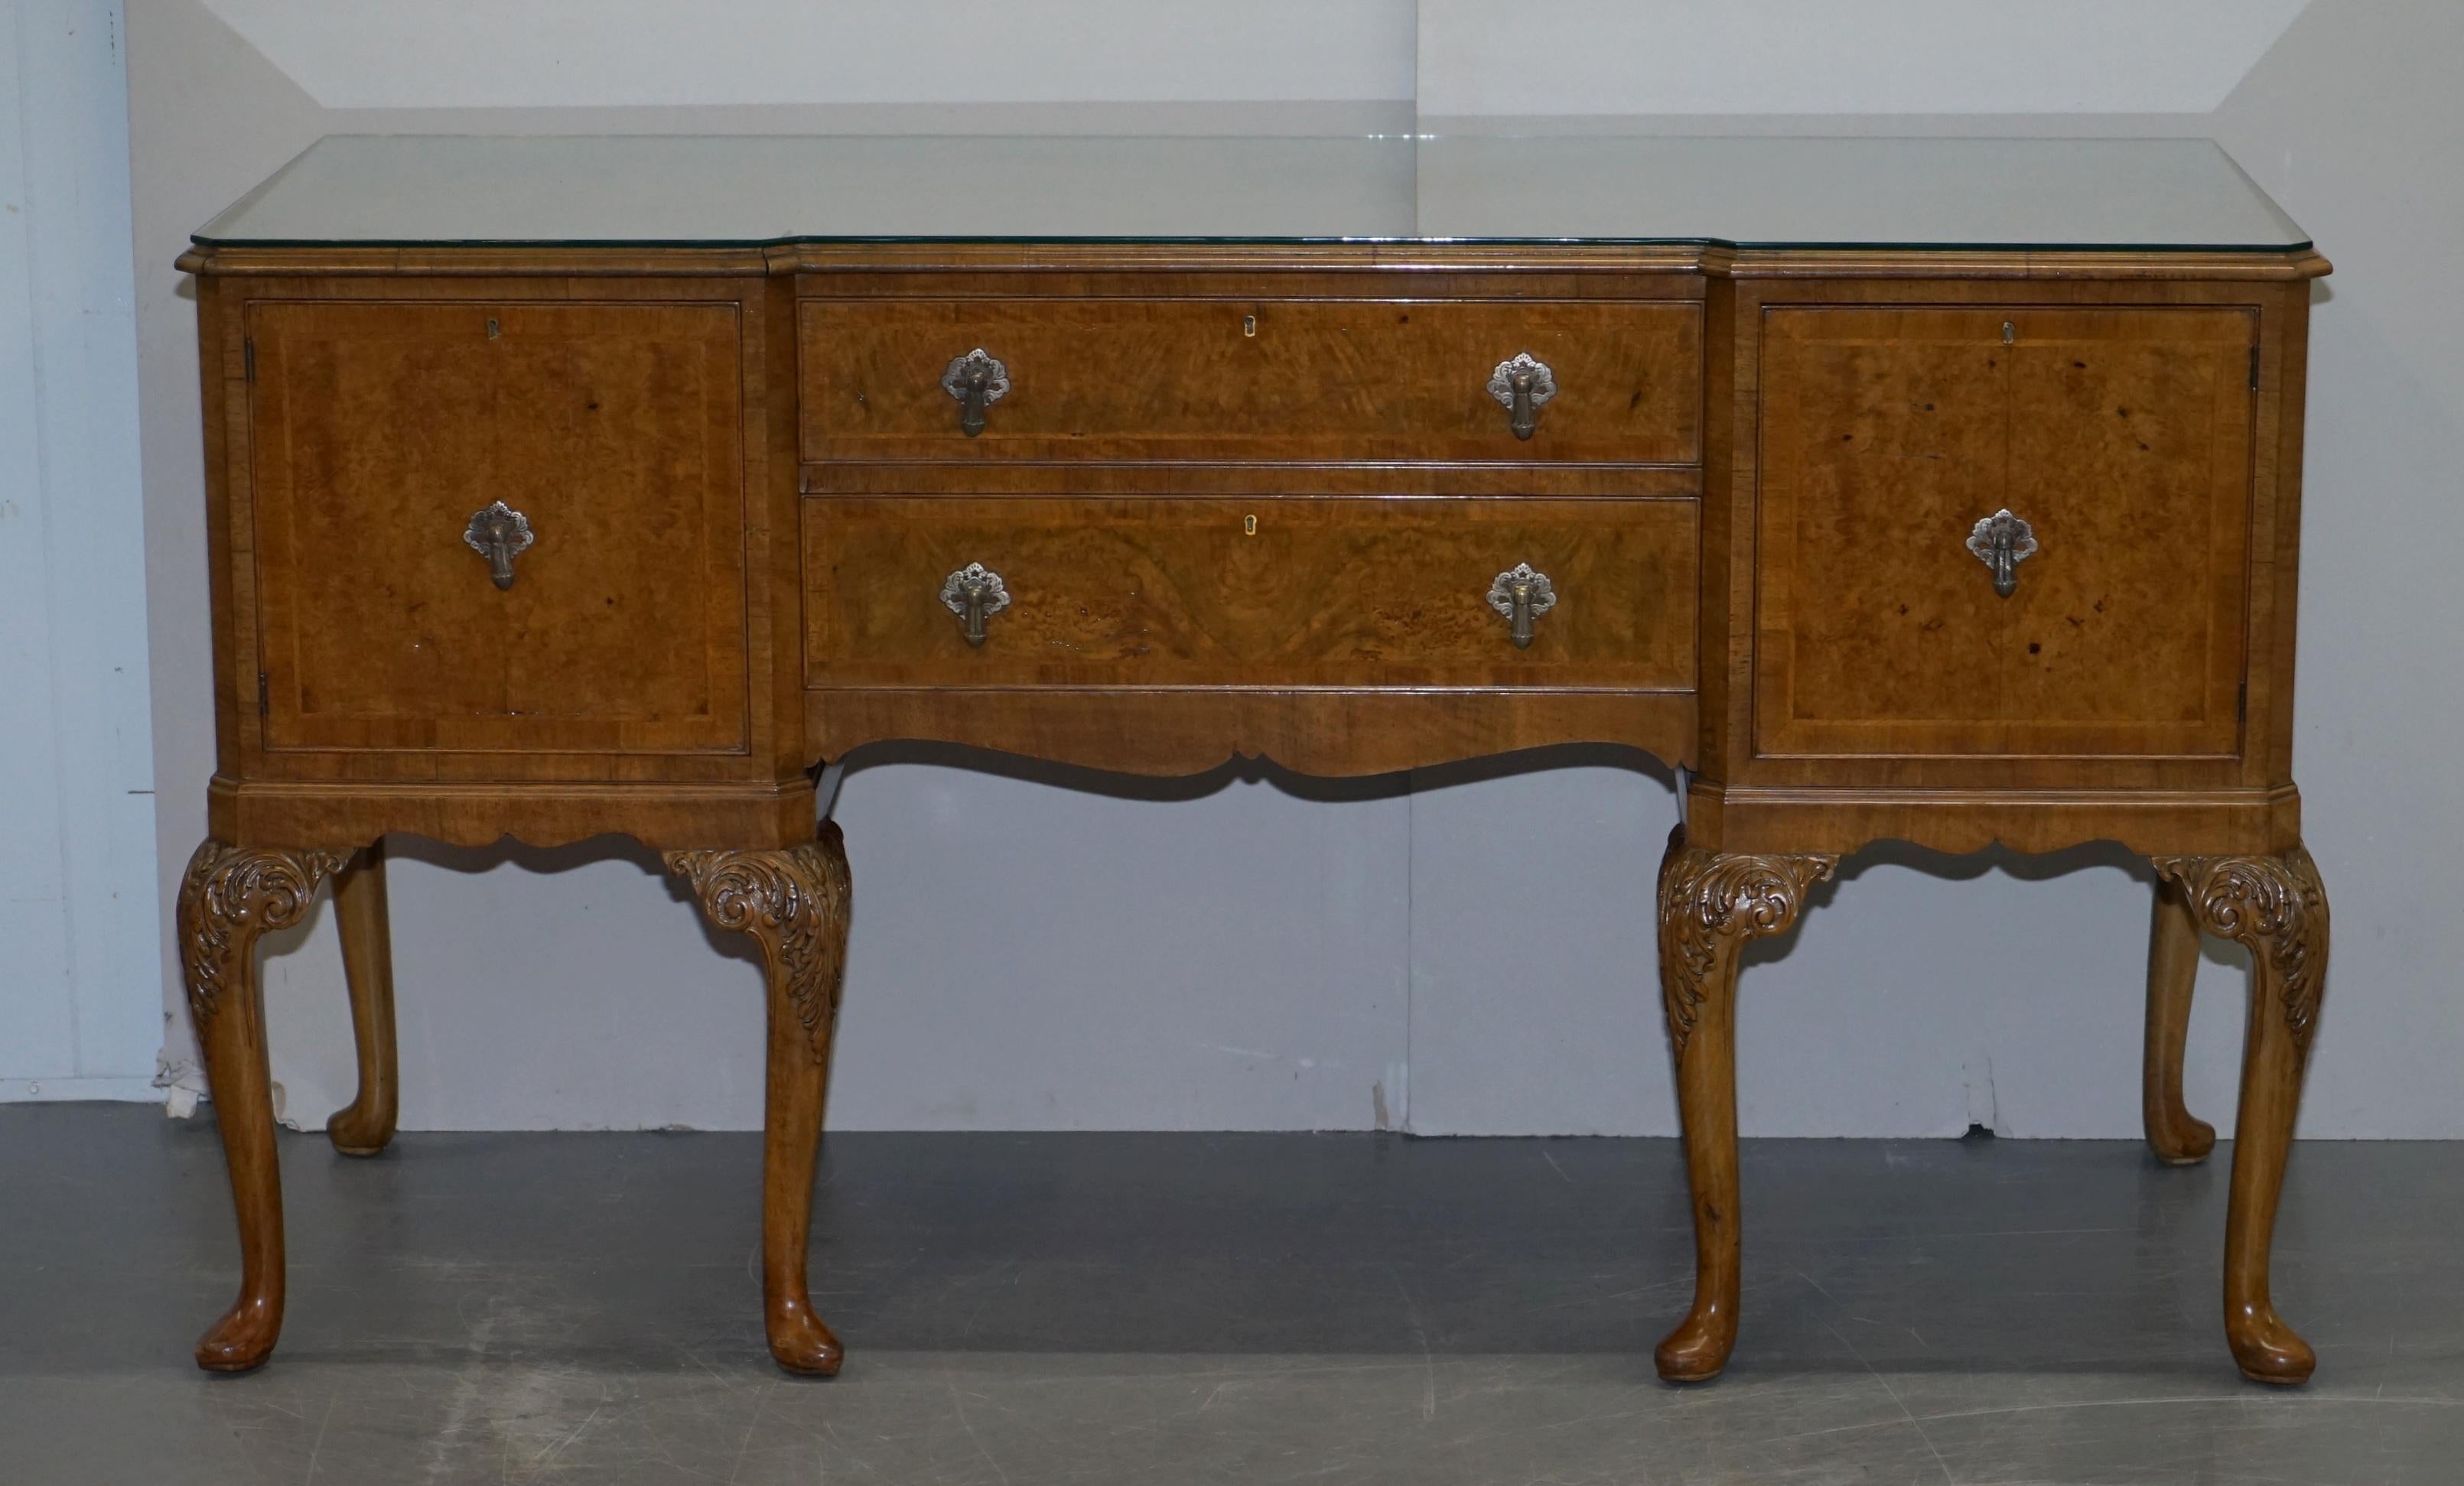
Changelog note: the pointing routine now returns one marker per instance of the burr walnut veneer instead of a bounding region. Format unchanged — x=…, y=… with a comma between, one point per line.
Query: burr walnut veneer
x=1946, y=491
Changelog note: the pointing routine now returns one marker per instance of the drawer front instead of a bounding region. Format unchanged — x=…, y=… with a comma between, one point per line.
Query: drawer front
x=1287, y=593
x=380, y=430
x=2122, y=437
x=1308, y=379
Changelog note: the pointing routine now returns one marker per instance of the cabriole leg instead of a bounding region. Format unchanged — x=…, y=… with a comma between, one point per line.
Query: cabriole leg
x=1710, y=905
x=363, y=1127
x=794, y=903
x=230, y=896
x=2177, y=1138
x=2276, y=908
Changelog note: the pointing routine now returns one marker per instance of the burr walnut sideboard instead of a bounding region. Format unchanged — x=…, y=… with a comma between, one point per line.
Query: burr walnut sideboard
x=1945, y=491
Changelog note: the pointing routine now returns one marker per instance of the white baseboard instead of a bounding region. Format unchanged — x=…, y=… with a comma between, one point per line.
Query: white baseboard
x=133, y=1089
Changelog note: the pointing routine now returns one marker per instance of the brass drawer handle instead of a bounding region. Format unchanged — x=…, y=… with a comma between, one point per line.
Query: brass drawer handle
x=499, y=533
x=978, y=380
x=2002, y=542
x=975, y=594
x=1522, y=385
x=1522, y=595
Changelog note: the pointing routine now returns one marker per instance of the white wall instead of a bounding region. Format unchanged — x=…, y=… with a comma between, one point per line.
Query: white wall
x=1466, y=949
x=592, y=53
x=80, y=999
x=1662, y=58
x=2355, y=122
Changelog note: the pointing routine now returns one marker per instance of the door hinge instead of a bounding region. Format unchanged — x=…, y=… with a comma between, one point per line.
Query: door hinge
x=2253, y=367
x=248, y=359
x=264, y=695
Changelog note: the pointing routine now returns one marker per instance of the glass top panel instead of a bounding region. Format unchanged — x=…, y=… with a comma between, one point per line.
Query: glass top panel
x=1765, y=192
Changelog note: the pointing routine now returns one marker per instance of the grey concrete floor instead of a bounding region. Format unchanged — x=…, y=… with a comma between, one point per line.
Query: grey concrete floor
x=1212, y=1308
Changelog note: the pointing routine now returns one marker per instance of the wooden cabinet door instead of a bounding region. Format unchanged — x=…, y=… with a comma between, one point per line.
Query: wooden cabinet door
x=378, y=430
x=2124, y=437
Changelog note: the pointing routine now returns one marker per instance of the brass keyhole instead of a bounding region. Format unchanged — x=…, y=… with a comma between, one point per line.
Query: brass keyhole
x=1248, y=526
x=1250, y=325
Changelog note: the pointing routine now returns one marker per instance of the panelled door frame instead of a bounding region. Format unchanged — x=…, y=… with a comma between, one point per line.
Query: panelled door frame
x=2248, y=759
x=727, y=745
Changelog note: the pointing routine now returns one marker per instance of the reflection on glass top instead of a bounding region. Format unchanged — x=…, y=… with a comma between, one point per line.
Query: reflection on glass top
x=1762, y=192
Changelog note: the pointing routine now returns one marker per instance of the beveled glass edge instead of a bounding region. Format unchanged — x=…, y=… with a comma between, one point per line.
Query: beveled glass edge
x=810, y=240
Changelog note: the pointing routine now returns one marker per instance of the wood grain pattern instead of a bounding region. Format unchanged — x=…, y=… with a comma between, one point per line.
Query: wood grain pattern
x=2146, y=820
x=544, y=812
x=1186, y=730
x=339, y=263
x=766, y=372
x=380, y=428
x=1639, y=270
x=795, y=905
x=2176, y=1136
x=1636, y=270
x=2123, y=436
x=366, y=1126
x=229, y=897
x=1752, y=493
x=2275, y=907
x=1647, y=269
x=1987, y=265
x=2200, y=797
x=1711, y=904
x=921, y=478
x=1251, y=378
x=1186, y=593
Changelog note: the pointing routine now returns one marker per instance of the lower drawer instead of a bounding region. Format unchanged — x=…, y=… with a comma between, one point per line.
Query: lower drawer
x=1226, y=591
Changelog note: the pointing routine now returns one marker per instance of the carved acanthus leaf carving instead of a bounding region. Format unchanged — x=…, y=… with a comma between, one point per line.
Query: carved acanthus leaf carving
x=1711, y=904
x=795, y=903
x=233, y=894
x=2275, y=907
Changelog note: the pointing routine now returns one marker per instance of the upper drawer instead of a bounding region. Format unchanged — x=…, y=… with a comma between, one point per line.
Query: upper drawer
x=1225, y=379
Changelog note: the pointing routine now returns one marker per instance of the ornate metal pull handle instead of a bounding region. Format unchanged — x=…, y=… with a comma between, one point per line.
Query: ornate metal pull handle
x=1522, y=385
x=978, y=380
x=1522, y=595
x=499, y=533
x=2002, y=542
x=975, y=594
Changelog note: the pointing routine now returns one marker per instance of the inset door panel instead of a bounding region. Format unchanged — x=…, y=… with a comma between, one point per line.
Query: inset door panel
x=613, y=616
x=2119, y=440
